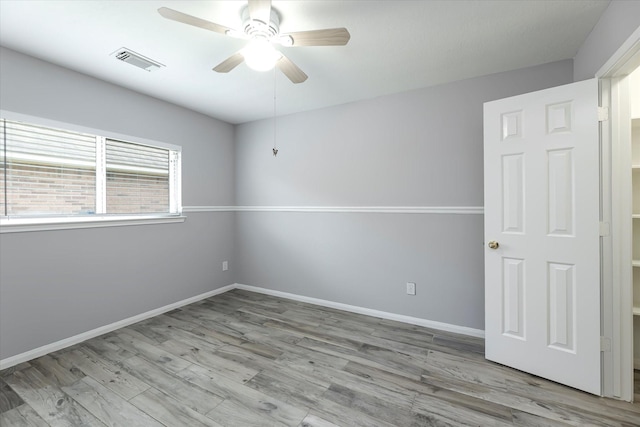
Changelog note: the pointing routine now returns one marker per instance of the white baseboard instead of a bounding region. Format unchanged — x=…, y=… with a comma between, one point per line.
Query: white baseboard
x=59, y=345
x=369, y=312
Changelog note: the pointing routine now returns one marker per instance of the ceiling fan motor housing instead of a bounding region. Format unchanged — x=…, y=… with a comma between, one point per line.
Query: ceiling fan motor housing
x=257, y=29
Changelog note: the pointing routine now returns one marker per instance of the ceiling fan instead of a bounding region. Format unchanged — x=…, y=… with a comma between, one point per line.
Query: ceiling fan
x=260, y=24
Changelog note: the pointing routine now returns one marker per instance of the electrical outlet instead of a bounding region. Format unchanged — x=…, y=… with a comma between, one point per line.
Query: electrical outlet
x=225, y=265
x=411, y=288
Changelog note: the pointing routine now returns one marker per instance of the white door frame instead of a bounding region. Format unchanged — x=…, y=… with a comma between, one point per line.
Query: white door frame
x=617, y=285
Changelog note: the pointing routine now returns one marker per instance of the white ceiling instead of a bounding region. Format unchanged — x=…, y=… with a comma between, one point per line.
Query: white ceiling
x=395, y=46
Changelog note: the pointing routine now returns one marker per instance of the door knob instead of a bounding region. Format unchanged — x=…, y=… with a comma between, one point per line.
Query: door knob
x=494, y=245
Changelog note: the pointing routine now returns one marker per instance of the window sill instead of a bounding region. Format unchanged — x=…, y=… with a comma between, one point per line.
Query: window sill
x=21, y=225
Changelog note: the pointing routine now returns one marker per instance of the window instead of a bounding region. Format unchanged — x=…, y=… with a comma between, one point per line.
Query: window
x=48, y=173
x=138, y=178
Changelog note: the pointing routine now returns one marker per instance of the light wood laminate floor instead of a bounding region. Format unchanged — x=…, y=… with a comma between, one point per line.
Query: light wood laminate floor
x=247, y=359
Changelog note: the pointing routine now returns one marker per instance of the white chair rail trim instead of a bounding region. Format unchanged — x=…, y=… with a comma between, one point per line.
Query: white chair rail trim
x=451, y=210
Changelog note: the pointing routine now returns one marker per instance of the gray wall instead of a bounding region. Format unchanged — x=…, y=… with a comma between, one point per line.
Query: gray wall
x=56, y=284
x=618, y=22
x=419, y=148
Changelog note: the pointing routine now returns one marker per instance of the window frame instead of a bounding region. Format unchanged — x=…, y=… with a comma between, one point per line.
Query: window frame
x=13, y=224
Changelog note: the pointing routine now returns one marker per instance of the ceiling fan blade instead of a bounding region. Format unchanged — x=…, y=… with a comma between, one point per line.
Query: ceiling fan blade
x=230, y=63
x=260, y=10
x=328, y=37
x=174, y=15
x=291, y=70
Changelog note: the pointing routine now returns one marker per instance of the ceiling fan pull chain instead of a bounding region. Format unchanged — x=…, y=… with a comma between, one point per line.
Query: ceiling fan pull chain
x=275, y=150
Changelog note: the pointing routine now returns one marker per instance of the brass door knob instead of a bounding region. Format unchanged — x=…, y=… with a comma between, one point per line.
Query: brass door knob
x=494, y=245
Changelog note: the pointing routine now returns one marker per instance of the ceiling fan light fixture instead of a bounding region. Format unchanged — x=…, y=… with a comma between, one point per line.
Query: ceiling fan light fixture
x=260, y=55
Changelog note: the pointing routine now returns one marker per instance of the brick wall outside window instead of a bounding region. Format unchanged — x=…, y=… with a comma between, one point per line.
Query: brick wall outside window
x=62, y=191
x=69, y=192
x=137, y=193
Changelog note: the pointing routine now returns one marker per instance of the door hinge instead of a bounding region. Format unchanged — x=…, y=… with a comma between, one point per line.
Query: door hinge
x=603, y=114
x=605, y=344
x=604, y=229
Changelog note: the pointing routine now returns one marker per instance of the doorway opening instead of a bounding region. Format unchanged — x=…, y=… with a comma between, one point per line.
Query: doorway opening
x=620, y=215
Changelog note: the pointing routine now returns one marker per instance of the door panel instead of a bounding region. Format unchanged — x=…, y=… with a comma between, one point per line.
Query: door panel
x=560, y=192
x=561, y=306
x=513, y=187
x=514, y=302
x=542, y=206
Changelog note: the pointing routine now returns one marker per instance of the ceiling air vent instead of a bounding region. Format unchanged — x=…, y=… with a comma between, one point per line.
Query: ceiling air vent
x=130, y=57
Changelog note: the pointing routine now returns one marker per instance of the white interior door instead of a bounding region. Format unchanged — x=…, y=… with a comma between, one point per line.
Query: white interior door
x=542, y=208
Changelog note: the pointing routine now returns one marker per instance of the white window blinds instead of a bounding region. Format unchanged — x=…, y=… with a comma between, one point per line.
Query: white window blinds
x=49, y=172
